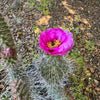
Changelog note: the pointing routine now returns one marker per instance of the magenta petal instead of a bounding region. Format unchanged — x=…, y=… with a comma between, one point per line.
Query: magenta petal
x=65, y=47
x=65, y=37
x=57, y=34
x=43, y=37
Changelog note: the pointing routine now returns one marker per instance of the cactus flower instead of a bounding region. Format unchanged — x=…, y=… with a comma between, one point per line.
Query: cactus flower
x=56, y=41
x=9, y=52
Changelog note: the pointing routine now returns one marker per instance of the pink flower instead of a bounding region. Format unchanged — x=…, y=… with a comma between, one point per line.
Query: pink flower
x=9, y=52
x=56, y=41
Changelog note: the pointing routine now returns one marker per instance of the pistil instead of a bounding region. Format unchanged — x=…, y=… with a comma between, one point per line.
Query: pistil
x=54, y=44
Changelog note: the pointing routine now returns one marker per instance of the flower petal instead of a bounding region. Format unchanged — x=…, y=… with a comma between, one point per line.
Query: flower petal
x=65, y=37
x=65, y=46
x=56, y=33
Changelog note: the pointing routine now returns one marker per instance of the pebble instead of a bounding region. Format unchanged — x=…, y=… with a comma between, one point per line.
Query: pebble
x=98, y=93
x=1, y=86
x=85, y=92
x=96, y=75
x=88, y=73
x=99, y=97
x=93, y=86
x=97, y=89
x=92, y=70
x=90, y=86
x=94, y=92
x=96, y=82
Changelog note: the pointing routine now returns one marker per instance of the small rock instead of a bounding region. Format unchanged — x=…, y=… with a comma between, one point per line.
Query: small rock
x=19, y=33
x=98, y=97
x=93, y=85
x=92, y=70
x=99, y=77
x=85, y=92
x=95, y=67
x=1, y=86
x=94, y=92
x=90, y=86
x=97, y=89
x=89, y=99
x=98, y=93
x=96, y=82
x=88, y=73
x=98, y=73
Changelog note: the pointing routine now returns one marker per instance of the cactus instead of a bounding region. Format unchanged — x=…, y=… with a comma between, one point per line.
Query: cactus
x=55, y=70
x=43, y=80
x=5, y=33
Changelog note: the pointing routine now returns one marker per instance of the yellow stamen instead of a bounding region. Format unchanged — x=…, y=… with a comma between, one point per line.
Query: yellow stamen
x=53, y=44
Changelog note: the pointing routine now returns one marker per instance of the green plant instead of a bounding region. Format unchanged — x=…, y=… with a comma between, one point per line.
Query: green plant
x=78, y=88
x=31, y=3
x=5, y=33
x=5, y=96
x=71, y=27
x=76, y=30
x=79, y=60
x=43, y=28
x=90, y=45
x=34, y=28
x=44, y=6
x=91, y=80
x=1, y=66
x=76, y=18
x=7, y=7
x=19, y=20
x=90, y=90
x=78, y=82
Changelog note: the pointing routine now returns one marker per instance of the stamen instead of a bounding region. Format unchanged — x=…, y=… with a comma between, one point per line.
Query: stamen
x=53, y=44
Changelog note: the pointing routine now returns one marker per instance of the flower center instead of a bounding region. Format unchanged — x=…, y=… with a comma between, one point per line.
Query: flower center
x=53, y=44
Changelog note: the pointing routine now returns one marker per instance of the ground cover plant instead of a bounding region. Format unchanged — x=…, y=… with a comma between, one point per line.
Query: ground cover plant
x=30, y=73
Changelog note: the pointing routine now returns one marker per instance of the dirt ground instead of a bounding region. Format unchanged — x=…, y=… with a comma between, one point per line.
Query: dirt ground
x=81, y=17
